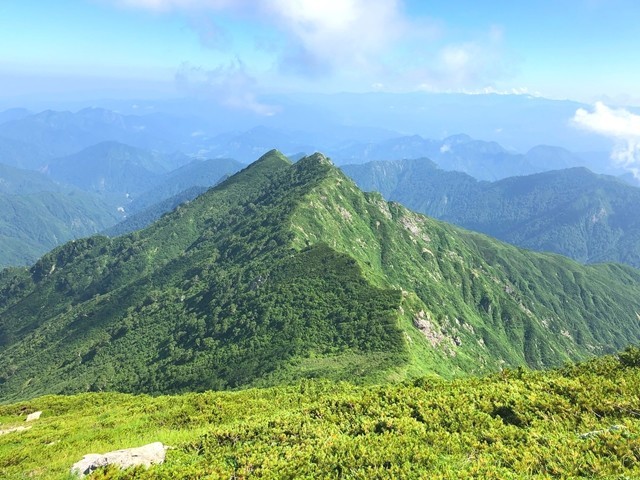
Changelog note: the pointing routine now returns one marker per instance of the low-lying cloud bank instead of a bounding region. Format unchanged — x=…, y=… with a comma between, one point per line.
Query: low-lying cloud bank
x=620, y=125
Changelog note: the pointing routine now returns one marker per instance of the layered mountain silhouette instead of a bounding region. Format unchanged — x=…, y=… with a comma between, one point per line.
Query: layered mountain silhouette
x=286, y=271
x=574, y=212
x=92, y=190
x=38, y=214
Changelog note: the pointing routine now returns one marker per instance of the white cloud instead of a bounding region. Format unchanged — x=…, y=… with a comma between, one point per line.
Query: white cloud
x=230, y=85
x=474, y=64
x=211, y=34
x=355, y=40
x=477, y=65
x=618, y=124
x=320, y=33
x=336, y=33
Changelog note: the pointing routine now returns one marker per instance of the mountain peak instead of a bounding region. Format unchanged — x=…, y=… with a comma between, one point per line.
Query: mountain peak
x=316, y=158
x=289, y=271
x=272, y=156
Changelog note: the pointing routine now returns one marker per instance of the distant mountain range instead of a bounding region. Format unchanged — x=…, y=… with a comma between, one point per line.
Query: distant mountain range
x=197, y=173
x=177, y=187
x=287, y=271
x=132, y=162
x=518, y=122
x=574, y=212
x=38, y=214
x=28, y=140
x=91, y=191
x=109, y=168
x=61, y=133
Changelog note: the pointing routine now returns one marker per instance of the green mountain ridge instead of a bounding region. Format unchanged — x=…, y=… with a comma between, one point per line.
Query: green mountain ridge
x=147, y=216
x=588, y=217
x=287, y=271
x=110, y=182
x=198, y=173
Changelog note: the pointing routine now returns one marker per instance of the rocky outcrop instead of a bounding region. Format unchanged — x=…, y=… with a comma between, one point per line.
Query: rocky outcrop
x=147, y=455
x=33, y=416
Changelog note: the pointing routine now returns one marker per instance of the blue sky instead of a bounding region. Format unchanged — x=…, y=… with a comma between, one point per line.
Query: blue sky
x=586, y=50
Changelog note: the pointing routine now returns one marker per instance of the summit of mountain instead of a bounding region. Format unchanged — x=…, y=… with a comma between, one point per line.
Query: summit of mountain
x=286, y=271
x=109, y=167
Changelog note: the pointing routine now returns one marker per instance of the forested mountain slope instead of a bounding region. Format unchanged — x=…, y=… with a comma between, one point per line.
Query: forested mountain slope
x=287, y=271
x=574, y=212
x=37, y=214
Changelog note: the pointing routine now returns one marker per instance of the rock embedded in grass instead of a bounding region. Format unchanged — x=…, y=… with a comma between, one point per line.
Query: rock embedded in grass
x=147, y=455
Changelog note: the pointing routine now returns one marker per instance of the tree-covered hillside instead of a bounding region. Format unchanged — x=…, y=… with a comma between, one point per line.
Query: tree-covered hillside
x=574, y=212
x=289, y=271
x=38, y=215
x=197, y=173
x=92, y=190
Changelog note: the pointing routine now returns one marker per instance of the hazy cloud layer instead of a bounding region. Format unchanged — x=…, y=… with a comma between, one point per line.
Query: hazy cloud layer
x=356, y=39
x=230, y=85
x=210, y=33
x=326, y=33
x=618, y=124
x=468, y=66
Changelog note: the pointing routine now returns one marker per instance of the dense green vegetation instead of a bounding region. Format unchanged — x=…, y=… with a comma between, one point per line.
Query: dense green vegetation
x=37, y=215
x=21, y=154
x=581, y=421
x=574, y=212
x=110, y=180
x=148, y=215
x=289, y=271
x=198, y=173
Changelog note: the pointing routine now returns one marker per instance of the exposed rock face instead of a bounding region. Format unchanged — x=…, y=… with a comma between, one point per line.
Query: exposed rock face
x=146, y=455
x=424, y=323
x=33, y=416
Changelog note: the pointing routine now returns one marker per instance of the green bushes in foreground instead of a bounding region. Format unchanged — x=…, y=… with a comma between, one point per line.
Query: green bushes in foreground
x=582, y=421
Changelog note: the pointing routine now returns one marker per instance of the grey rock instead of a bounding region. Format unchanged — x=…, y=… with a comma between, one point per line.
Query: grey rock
x=147, y=455
x=33, y=416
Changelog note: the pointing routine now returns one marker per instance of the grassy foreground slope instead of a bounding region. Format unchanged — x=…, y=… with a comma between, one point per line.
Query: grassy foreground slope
x=582, y=421
x=289, y=271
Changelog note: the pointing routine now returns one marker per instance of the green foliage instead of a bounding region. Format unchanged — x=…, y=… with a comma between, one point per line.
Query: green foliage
x=630, y=357
x=38, y=214
x=581, y=421
x=147, y=216
x=109, y=167
x=34, y=223
x=198, y=173
x=285, y=272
